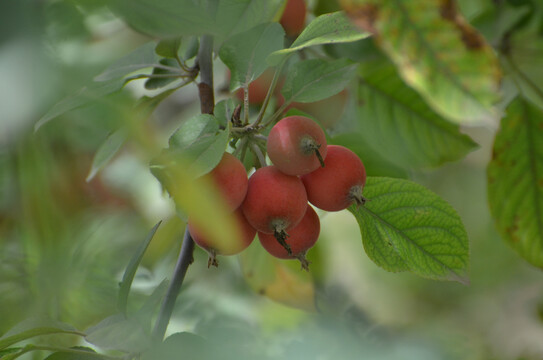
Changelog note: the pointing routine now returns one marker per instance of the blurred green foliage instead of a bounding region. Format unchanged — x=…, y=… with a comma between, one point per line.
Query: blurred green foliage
x=64, y=242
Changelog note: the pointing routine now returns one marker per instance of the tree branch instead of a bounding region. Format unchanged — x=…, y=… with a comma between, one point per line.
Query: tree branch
x=207, y=105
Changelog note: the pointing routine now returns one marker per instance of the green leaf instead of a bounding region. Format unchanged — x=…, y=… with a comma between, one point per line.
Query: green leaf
x=130, y=271
x=79, y=355
x=119, y=333
x=200, y=141
x=316, y=79
x=374, y=162
x=245, y=53
x=172, y=18
x=515, y=180
x=330, y=28
x=9, y=351
x=165, y=18
x=106, y=152
x=223, y=111
x=32, y=328
x=437, y=53
x=183, y=345
x=84, y=96
x=405, y=226
x=158, y=82
x=168, y=48
x=141, y=58
x=392, y=113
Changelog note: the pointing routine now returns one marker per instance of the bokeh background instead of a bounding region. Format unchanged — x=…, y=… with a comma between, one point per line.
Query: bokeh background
x=64, y=242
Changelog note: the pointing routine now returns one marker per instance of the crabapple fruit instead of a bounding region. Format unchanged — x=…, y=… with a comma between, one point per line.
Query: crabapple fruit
x=293, y=18
x=301, y=238
x=275, y=202
x=231, y=179
x=297, y=145
x=246, y=231
x=339, y=183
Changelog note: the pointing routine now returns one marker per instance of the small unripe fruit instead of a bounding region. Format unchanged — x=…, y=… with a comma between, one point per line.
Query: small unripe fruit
x=245, y=229
x=275, y=202
x=301, y=238
x=339, y=183
x=296, y=145
x=293, y=18
x=230, y=178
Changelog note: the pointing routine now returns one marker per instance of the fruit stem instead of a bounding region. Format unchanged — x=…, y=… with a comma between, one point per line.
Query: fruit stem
x=261, y=158
x=303, y=261
x=271, y=90
x=212, y=259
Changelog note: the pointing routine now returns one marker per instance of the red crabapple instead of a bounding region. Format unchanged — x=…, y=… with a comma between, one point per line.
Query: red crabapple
x=293, y=18
x=275, y=202
x=246, y=231
x=339, y=183
x=230, y=178
x=297, y=145
x=301, y=238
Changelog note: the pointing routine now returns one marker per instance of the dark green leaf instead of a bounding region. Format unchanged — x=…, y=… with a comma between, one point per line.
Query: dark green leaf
x=223, y=111
x=106, y=151
x=85, y=96
x=130, y=271
x=405, y=226
x=515, y=180
x=316, y=79
x=325, y=29
x=119, y=333
x=245, y=53
x=168, y=47
x=392, y=113
x=142, y=57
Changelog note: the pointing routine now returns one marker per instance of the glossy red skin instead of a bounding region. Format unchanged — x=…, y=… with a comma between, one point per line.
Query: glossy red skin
x=293, y=18
x=231, y=180
x=301, y=238
x=247, y=236
x=328, y=187
x=284, y=145
x=271, y=196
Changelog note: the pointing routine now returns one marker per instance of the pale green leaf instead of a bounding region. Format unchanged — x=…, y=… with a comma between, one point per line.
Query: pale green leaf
x=32, y=328
x=437, y=53
x=130, y=271
x=316, y=79
x=405, y=226
x=330, y=28
x=245, y=53
x=106, y=152
x=142, y=57
x=515, y=180
x=392, y=113
x=168, y=48
x=86, y=95
x=120, y=333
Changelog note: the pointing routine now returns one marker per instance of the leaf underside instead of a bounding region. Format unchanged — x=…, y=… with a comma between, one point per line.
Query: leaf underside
x=515, y=180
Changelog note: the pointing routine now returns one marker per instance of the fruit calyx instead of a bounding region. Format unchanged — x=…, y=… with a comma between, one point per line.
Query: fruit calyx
x=355, y=195
x=308, y=145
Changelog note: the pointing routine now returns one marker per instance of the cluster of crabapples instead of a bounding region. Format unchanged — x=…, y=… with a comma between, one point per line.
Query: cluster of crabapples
x=273, y=201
